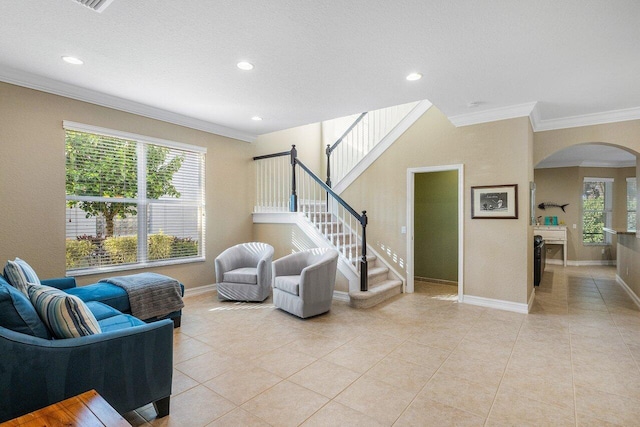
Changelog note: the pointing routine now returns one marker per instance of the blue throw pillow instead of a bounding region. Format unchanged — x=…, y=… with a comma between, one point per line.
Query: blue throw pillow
x=67, y=316
x=17, y=313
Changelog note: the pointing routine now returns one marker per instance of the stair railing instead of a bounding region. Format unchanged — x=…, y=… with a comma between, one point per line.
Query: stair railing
x=367, y=130
x=339, y=222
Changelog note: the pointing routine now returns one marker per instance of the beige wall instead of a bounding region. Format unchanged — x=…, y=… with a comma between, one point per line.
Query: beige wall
x=307, y=139
x=496, y=252
x=32, y=180
x=628, y=265
x=564, y=185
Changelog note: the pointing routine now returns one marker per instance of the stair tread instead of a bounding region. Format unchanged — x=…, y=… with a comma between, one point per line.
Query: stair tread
x=377, y=270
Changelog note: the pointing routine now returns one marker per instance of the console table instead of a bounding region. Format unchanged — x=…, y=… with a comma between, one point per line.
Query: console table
x=86, y=409
x=554, y=235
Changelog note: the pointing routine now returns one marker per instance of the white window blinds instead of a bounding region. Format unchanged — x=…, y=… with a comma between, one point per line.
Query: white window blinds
x=130, y=200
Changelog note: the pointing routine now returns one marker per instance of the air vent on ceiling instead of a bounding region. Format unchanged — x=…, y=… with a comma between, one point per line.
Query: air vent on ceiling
x=97, y=5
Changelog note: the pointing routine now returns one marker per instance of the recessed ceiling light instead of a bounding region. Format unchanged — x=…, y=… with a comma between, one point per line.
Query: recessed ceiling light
x=244, y=65
x=414, y=76
x=256, y=118
x=72, y=60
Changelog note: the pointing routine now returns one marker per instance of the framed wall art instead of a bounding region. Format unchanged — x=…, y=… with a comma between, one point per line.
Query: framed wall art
x=494, y=201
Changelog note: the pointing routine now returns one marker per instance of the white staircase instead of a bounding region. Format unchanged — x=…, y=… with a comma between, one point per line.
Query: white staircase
x=335, y=223
x=383, y=282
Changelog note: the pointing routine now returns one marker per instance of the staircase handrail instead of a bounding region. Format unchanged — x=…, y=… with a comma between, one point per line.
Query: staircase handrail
x=293, y=205
x=344, y=135
x=361, y=218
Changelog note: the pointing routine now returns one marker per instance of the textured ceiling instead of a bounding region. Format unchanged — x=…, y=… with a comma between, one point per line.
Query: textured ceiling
x=317, y=60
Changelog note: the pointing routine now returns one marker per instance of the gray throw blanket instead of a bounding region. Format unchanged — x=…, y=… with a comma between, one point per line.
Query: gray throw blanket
x=150, y=295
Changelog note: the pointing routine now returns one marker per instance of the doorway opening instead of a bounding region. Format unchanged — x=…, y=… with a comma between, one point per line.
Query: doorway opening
x=429, y=215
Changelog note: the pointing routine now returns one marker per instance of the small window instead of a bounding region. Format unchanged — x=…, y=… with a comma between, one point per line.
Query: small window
x=632, y=203
x=131, y=201
x=597, y=203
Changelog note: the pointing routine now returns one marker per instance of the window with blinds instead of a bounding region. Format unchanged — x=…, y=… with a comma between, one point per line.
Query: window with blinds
x=131, y=201
x=597, y=208
x=632, y=203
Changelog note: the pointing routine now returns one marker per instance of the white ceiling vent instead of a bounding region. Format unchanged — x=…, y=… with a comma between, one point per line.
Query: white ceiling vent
x=97, y=5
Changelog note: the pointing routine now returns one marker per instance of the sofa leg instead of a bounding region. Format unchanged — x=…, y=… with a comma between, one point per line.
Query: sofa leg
x=177, y=321
x=162, y=406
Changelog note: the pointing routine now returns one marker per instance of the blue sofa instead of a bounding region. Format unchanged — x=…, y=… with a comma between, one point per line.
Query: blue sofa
x=130, y=363
x=111, y=295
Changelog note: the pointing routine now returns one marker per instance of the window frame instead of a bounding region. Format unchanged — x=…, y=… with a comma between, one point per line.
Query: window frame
x=142, y=200
x=607, y=211
x=635, y=196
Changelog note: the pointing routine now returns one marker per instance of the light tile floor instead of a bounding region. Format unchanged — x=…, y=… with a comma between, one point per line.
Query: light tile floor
x=421, y=359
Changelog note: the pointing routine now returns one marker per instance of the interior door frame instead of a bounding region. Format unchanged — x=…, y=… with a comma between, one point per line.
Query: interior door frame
x=411, y=173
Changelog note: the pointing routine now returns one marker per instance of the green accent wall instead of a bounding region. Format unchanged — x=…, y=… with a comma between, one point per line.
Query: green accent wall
x=436, y=225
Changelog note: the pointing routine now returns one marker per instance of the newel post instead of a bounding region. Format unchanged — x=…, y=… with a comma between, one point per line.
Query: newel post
x=293, y=200
x=364, y=268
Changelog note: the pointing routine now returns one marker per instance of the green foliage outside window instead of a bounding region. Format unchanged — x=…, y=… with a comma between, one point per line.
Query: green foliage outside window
x=594, y=216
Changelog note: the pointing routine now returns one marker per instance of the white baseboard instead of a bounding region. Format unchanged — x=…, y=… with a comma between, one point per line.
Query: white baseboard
x=341, y=296
x=199, y=290
x=582, y=263
x=496, y=303
x=628, y=290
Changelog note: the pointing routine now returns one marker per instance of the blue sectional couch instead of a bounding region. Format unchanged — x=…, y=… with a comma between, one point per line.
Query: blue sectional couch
x=111, y=295
x=130, y=363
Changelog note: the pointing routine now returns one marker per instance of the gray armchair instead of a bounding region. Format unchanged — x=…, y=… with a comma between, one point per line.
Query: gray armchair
x=244, y=272
x=304, y=281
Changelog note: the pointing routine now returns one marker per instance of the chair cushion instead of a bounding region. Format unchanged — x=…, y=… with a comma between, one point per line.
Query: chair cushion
x=28, y=271
x=101, y=311
x=15, y=276
x=242, y=275
x=112, y=295
x=18, y=314
x=121, y=321
x=289, y=284
x=65, y=315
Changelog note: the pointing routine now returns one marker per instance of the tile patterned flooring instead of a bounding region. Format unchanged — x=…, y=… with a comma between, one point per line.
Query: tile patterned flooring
x=420, y=359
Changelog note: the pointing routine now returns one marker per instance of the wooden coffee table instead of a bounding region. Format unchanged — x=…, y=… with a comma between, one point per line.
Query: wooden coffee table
x=86, y=409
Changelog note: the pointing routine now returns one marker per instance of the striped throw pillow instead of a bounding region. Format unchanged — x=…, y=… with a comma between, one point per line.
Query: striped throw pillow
x=28, y=271
x=66, y=316
x=15, y=276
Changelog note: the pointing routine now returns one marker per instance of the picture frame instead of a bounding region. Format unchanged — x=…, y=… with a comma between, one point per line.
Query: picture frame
x=494, y=201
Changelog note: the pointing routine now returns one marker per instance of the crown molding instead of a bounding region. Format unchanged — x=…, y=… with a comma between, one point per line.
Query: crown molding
x=493, y=115
x=585, y=164
x=614, y=116
x=55, y=87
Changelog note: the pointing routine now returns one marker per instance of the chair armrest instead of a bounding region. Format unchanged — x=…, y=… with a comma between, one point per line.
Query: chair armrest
x=61, y=282
x=129, y=367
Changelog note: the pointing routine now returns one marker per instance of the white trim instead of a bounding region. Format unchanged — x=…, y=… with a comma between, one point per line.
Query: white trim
x=386, y=142
x=492, y=115
x=56, y=87
x=613, y=116
x=604, y=262
x=81, y=127
x=276, y=217
x=409, y=286
x=496, y=303
x=127, y=267
x=628, y=290
x=198, y=290
x=586, y=164
x=341, y=296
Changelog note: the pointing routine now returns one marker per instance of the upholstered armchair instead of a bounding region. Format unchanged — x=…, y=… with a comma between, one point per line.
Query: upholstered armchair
x=304, y=281
x=244, y=272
